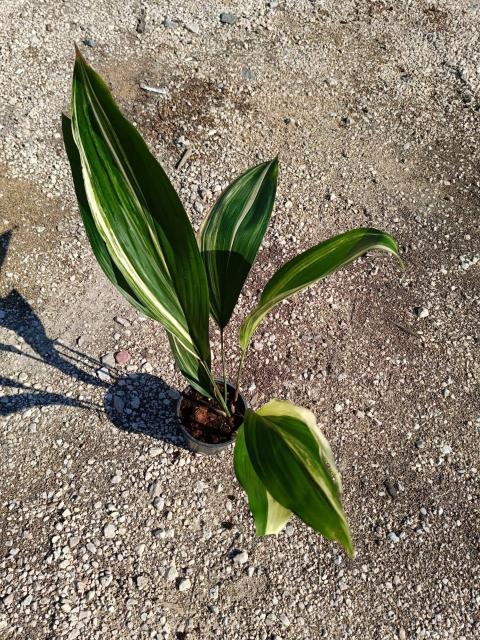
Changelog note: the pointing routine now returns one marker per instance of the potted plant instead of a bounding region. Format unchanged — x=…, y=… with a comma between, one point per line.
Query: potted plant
x=145, y=244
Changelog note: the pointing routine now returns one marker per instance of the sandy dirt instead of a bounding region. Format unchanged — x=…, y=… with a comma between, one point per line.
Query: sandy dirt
x=109, y=527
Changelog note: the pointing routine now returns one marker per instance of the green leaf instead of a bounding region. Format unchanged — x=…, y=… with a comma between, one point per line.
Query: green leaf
x=232, y=234
x=191, y=367
x=136, y=213
x=270, y=517
x=294, y=462
x=98, y=245
x=312, y=265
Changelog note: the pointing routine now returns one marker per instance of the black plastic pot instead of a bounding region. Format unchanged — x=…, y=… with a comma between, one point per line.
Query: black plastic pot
x=198, y=446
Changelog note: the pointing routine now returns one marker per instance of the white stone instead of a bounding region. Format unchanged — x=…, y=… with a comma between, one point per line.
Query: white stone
x=109, y=531
x=184, y=584
x=241, y=558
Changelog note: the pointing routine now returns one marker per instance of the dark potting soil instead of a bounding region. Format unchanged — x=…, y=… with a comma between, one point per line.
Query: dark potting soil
x=203, y=423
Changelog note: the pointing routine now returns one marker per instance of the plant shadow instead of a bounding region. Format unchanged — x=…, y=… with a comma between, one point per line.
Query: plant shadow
x=136, y=402
x=143, y=403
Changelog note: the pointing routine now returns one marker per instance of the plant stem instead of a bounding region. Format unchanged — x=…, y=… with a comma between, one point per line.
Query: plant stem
x=224, y=369
x=217, y=391
x=222, y=402
x=239, y=374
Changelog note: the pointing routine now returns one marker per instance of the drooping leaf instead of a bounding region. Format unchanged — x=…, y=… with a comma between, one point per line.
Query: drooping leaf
x=138, y=216
x=232, y=234
x=269, y=515
x=294, y=463
x=312, y=265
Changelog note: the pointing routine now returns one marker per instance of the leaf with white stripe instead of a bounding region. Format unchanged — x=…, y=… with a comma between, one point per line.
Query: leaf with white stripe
x=139, y=217
x=313, y=265
x=269, y=515
x=293, y=461
x=232, y=234
x=98, y=245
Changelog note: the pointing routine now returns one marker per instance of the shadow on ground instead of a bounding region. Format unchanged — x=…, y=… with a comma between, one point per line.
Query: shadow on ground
x=142, y=403
x=136, y=403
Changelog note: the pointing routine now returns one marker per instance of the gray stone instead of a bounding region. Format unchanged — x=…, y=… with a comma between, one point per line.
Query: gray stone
x=122, y=321
x=171, y=574
x=169, y=23
x=192, y=27
x=141, y=582
x=248, y=74
x=421, y=312
x=391, y=489
x=228, y=18
x=155, y=489
x=108, y=359
x=104, y=375
x=159, y=503
x=284, y=619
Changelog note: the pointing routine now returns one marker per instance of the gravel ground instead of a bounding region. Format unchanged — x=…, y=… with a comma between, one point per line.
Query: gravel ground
x=110, y=529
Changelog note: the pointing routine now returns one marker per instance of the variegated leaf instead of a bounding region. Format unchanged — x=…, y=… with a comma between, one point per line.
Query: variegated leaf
x=269, y=515
x=293, y=461
x=312, y=265
x=138, y=217
x=232, y=234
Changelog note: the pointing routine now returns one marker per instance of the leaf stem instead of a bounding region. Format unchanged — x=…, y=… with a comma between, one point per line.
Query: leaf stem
x=224, y=369
x=239, y=374
x=216, y=390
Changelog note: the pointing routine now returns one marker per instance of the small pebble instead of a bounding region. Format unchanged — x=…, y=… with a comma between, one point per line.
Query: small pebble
x=169, y=23
x=141, y=582
x=184, y=584
x=109, y=531
x=240, y=558
x=155, y=489
x=122, y=357
x=284, y=619
x=421, y=312
x=104, y=375
x=171, y=574
x=159, y=503
x=193, y=28
x=228, y=18
x=391, y=489
x=122, y=321
x=108, y=359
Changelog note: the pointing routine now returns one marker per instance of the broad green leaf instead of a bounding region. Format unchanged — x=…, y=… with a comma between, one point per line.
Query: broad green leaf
x=293, y=461
x=98, y=245
x=312, y=265
x=139, y=217
x=188, y=364
x=270, y=517
x=232, y=234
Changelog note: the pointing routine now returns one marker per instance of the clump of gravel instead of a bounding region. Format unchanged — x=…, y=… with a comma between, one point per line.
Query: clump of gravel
x=110, y=527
